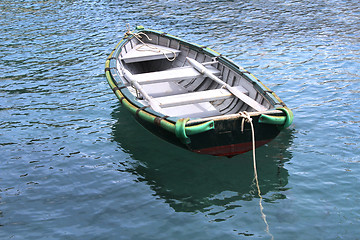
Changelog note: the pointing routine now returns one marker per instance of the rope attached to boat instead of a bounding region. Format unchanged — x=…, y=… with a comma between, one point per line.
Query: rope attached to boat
x=246, y=118
x=151, y=48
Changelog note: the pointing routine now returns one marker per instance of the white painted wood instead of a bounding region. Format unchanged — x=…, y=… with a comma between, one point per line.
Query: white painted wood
x=195, y=97
x=163, y=89
x=197, y=110
x=153, y=103
x=173, y=74
x=147, y=52
x=249, y=101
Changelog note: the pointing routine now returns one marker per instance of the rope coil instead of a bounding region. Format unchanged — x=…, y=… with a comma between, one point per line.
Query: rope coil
x=150, y=47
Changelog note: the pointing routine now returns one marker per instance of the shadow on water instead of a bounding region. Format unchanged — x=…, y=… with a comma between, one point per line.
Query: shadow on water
x=191, y=182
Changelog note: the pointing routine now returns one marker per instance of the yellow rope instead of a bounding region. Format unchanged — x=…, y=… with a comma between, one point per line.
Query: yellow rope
x=152, y=48
x=246, y=117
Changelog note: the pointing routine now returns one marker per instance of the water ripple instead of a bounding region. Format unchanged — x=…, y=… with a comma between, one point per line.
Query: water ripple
x=75, y=166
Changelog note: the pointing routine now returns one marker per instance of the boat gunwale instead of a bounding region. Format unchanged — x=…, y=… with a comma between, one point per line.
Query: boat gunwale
x=122, y=88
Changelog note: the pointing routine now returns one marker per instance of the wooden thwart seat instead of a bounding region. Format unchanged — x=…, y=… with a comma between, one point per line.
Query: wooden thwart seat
x=196, y=97
x=196, y=70
x=249, y=101
x=147, y=52
x=173, y=74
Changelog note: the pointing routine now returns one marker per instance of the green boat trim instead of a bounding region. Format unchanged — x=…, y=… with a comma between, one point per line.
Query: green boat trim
x=177, y=126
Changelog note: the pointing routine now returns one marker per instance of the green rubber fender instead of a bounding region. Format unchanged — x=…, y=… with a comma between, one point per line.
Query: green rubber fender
x=203, y=127
x=289, y=116
x=180, y=131
x=275, y=120
x=282, y=121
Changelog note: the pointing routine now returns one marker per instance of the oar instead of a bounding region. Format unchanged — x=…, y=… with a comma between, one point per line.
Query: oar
x=246, y=99
x=153, y=104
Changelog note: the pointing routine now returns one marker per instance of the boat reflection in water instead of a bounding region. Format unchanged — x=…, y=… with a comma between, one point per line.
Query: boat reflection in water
x=191, y=182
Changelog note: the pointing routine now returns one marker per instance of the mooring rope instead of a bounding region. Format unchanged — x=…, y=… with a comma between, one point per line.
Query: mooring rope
x=246, y=117
x=151, y=48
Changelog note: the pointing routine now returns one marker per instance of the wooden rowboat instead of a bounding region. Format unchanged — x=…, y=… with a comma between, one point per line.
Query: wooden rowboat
x=192, y=96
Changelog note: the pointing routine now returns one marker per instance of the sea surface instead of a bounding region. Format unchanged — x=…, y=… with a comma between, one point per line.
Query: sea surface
x=75, y=165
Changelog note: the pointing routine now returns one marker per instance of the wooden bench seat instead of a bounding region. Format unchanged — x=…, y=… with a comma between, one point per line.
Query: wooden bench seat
x=170, y=75
x=149, y=52
x=196, y=97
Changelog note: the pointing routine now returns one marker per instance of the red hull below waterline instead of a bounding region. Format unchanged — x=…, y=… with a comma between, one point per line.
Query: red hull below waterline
x=231, y=150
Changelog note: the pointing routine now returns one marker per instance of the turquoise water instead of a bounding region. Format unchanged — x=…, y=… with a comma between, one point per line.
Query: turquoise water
x=74, y=165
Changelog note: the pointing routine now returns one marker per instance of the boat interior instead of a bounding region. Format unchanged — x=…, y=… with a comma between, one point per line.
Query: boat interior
x=157, y=71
